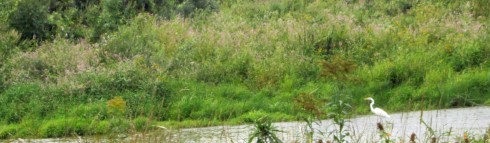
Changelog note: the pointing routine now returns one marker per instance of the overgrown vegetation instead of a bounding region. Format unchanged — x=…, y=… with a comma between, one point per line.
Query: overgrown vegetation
x=67, y=67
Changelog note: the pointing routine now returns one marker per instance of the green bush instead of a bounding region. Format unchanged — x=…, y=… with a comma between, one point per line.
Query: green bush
x=141, y=123
x=6, y=8
x=119, y=125
x=125, y=77
x=15, y=102
x=8, y=46
x=139, y=38
x=100, y=127
x=7, y=49
x=189, y=7
x=8, y=131
x=51, y=61
x=479, y=7
x=64, y=127
x=469, y=56
x=115, y=13
x=68, y=23
x=154, y=106
x=31, y=19
x=96, y=111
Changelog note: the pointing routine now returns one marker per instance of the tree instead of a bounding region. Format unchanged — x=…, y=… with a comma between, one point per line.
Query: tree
x=31, y=19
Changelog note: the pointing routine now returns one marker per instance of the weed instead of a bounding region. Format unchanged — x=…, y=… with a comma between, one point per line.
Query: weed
x=117, y=106
x=338, y=111
x=264, y=132
x=383, y=134
x=183, y=63
x=141, y=123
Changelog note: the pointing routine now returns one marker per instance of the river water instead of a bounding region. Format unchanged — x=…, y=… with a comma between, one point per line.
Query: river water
x=446, y=125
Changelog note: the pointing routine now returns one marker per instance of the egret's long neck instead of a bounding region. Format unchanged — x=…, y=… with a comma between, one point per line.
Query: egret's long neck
x=372, y=103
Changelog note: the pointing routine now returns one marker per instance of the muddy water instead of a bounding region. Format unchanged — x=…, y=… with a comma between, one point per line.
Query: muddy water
x=447, y=125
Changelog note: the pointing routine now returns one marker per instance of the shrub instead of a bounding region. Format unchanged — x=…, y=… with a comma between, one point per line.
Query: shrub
x=139, y=38
x=116, y=106
x=8, y=46
x=147, y=104
x=8, y=131
x=124, y=77
x=84, y=4
x=252, y=11
x=399, y=6
x=480, y=7
x=64, y=127
x=31, y=19
x=141, y=123
x=6, y=8
x=289, y=6
x=226, y=70
x=96, y=111
x=15, y=102
x=189, y=7
x=264, y=131
x=52, y=62
x=68, y=24
x=100, y=127
x=471, y=55
x=118, y=125
x=7, y=49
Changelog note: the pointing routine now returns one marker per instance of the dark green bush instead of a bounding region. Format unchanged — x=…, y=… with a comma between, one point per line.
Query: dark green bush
x=399, y=6
x=189, y=7
x=74, y=19
x=31, y=19
x=84, y=4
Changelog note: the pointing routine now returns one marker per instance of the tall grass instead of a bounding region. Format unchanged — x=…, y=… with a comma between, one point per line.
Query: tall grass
x=246, y=59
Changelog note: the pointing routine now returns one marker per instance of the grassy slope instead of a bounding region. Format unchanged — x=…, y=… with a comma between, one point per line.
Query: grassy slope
x=246, y=61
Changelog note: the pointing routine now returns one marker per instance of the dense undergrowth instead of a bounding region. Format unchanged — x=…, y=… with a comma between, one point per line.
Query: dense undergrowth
x=82, y=67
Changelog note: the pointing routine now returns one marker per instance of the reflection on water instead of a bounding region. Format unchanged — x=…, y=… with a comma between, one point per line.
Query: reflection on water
x=447, y=124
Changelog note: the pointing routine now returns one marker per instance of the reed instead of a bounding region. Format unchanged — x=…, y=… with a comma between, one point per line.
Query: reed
x=122, y=67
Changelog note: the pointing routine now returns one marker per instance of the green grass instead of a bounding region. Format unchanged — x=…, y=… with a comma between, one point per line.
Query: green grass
x=240, y=62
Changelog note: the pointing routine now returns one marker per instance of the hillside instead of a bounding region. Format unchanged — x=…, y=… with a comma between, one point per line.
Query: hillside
x=90, y=67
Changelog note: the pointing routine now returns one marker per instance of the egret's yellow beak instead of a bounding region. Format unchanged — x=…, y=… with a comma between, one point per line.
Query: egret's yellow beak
x=366, y=98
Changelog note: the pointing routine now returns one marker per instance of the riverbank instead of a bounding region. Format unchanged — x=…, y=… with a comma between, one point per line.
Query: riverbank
x=447, y=125
x=111, y=67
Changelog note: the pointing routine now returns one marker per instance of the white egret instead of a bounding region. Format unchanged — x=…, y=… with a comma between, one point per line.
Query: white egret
x=377, y=111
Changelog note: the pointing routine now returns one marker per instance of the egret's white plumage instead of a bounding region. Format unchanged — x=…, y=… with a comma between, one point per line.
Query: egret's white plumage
x=377, y=111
